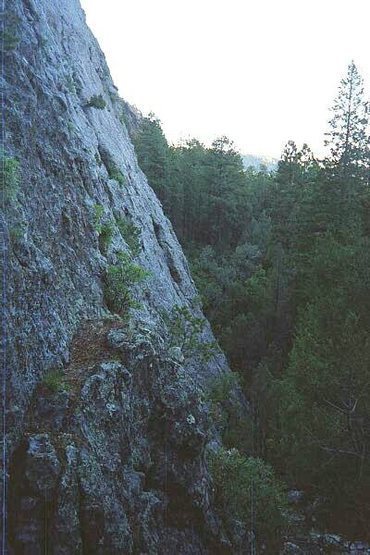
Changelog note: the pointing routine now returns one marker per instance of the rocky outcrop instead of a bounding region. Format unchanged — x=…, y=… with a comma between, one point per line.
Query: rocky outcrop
x=110, y=457
x=113, y=455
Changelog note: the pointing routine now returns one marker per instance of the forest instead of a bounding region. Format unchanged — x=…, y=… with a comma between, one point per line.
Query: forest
x=281, y=259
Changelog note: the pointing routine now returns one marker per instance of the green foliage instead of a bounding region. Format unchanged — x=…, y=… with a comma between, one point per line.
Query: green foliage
x=98, y=215
x=70, y=84
x=240, y=307
x=234, y=426
x=123, y=118
x=97, y=101
x=198, y=186
x=208, y=197
x=282, y=264
x=348, y=138
x=9, y=176
x=55, y=381
x=9, y=36
x=106, y=235
x=185, y=331
x=114, y=172
x=10, y=39
x=130, y=233
x=325, y=391
x=245, y=483
x=16, y=232
x=222, y=387
x=120, y=278
x=296, y=167
x=105, y=230
x=152, y=151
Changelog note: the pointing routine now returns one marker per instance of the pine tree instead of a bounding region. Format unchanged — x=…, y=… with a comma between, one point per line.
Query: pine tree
x=296, y=167
x=348, y=138
x=152, y=151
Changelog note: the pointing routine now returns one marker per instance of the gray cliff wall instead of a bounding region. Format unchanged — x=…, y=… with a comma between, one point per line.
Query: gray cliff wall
x=64, y=148
x=112, y=460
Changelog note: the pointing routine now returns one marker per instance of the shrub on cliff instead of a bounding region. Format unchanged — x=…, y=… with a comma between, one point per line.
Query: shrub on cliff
x=97, y=101
x=55, y=381
x=185, y=331
x=120, y=278
x=130, y=233
x=9, y=176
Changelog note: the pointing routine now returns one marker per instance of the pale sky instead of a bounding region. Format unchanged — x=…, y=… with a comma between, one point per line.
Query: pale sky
x=261, y=72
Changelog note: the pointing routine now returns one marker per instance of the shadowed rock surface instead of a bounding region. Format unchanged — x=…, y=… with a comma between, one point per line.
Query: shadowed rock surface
x=108, y=456
x=112, y=459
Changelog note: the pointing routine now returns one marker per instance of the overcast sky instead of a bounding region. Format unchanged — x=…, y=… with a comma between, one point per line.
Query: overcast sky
x=261, y=72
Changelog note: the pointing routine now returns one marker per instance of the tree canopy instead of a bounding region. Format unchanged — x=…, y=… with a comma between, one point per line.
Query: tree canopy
x=282, y=262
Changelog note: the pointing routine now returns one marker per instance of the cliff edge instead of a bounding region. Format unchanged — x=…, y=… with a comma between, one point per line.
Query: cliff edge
x=107, y=426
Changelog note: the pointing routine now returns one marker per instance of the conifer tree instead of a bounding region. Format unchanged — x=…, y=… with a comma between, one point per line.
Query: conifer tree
x=348, y=137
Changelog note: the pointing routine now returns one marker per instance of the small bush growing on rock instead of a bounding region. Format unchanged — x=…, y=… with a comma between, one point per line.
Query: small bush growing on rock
x=55, y=381
x=105, y=230
x=185, y=331
x=130, y=233
x=106, y=236
x=120, y=278
x=70, y=84
x=97, y=101
x=222, y=386
x=98, y=215
x=17, y=231
x=9, y=37
x=9, y=176
x=247, y=490
x=114, y=172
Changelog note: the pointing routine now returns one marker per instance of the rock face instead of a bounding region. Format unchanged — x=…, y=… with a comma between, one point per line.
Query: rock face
x=112, y=459
x=106, y=426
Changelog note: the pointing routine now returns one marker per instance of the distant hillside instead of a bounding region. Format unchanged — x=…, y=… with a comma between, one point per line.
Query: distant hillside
x=257, y=161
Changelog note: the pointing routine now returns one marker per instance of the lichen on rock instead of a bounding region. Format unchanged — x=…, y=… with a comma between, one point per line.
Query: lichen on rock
x=133, y=431
x=107, y=424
